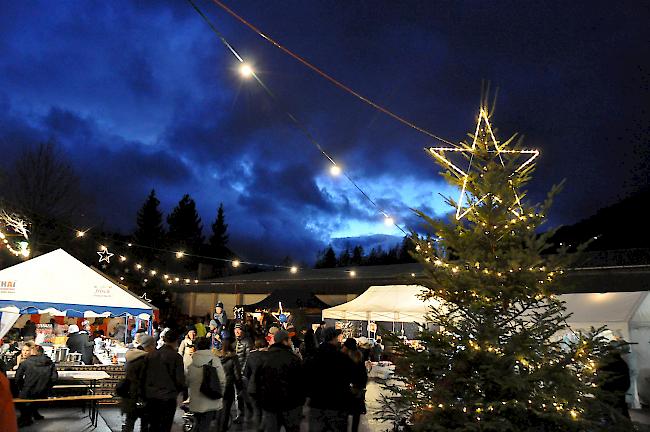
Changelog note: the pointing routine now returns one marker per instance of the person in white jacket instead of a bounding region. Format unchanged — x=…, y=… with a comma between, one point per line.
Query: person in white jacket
x=204, y=409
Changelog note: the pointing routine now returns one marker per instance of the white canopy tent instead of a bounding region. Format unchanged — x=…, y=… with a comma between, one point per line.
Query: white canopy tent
x=393, y=303
x=58, y=284
x=626, y=314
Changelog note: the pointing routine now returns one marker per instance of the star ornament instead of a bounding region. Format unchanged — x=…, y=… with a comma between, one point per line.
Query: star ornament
x=104, y=255
x=281, y=315
x=466, y=202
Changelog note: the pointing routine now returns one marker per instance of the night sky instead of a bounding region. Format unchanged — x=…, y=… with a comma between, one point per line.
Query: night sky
x=141, y=95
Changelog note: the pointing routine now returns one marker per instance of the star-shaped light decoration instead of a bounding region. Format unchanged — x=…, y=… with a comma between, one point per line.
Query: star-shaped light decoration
x=104, y=255
x=498, y=150
x=281, y=316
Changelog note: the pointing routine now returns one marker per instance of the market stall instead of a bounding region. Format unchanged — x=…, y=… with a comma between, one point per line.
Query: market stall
x=398, y=305
x=59, y=285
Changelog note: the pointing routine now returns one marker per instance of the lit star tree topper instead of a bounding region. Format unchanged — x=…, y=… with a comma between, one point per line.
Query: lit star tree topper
x=104, y=255
x=485, y=148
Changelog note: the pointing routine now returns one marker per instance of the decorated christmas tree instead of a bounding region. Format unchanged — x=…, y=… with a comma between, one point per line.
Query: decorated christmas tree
x=498, y=354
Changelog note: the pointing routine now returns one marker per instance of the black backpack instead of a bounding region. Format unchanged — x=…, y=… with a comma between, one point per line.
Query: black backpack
x=210, y=385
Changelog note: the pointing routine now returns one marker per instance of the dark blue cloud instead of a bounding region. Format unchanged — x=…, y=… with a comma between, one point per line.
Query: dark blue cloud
x=143, y=95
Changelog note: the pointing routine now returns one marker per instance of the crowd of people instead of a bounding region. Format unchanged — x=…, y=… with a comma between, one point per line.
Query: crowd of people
x=263, y=373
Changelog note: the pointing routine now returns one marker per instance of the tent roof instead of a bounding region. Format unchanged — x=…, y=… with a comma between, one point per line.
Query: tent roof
x=291, y=299
x=399, y=303
x=616, y=309
x=58, y=283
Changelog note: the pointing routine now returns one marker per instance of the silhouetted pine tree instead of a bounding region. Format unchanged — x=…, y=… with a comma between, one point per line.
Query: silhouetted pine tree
x=185, y=230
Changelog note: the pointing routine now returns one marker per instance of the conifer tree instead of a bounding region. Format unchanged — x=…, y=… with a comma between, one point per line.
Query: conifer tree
x=185, y=230
x=496, y=360
x=218, y=242
x=344, y=257
x=149, y=224
x=357, y=255
x=327, y=258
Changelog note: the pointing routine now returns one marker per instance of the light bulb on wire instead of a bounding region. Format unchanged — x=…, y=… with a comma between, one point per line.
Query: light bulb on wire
x=335, y=170
x=236, y=263
x=245, y=70
x=293, y=269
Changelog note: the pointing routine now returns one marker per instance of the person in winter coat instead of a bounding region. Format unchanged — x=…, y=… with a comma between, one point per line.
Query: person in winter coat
x=357, y=404
x=319, y=333
x=204, y=409
x=281, y=374
x=28, y=332
x=79, y=342
x=231, y=366
x=186, y=348
x=309, y=346
x=220, y=315
x=242, y=349
x=132, y=404
x=214, y=333
x=329, y=375
x=34, y=378
x=164, y=380
x=255, y=359
x=200, y=328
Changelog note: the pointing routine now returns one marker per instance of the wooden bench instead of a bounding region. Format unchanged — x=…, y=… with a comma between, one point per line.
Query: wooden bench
x=93, y=399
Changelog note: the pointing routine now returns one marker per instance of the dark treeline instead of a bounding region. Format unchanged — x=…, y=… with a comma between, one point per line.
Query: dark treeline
x=356, y=256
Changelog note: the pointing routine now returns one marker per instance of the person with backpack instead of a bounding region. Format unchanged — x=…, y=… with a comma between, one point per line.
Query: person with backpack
x=34, y=378
x=206, y=380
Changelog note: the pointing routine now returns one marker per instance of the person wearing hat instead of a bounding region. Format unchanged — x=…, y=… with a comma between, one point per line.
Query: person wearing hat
x=79, y=342
x=214, y=333
x=132, y=405
x=329, y=376
x=242, y=349
x=164, y=379
x=280, y=390
x=220, y=314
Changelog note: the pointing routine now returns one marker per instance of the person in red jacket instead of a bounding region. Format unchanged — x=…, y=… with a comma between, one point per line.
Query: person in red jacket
x=8, y=421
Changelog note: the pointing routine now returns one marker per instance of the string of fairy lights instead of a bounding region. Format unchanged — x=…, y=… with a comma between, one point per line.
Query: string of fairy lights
x=247, y=72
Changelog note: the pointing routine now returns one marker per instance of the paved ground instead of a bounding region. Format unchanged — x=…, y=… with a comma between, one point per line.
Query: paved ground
x=110, y=419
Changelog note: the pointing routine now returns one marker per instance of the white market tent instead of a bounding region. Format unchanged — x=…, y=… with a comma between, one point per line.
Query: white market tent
x=626, y=314
x=396, y=303
x=58, y=284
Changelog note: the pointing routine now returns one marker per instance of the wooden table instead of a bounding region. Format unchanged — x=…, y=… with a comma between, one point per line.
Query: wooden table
x=74, y=375
x=89, y=377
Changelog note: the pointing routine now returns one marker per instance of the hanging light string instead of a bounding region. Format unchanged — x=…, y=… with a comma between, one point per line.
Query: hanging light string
x=328, y=77
x=248, y=71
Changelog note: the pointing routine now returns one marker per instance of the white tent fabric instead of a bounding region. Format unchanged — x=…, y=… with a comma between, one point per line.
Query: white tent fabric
x=59, y=284
x=7, y=321
x=396, y=303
